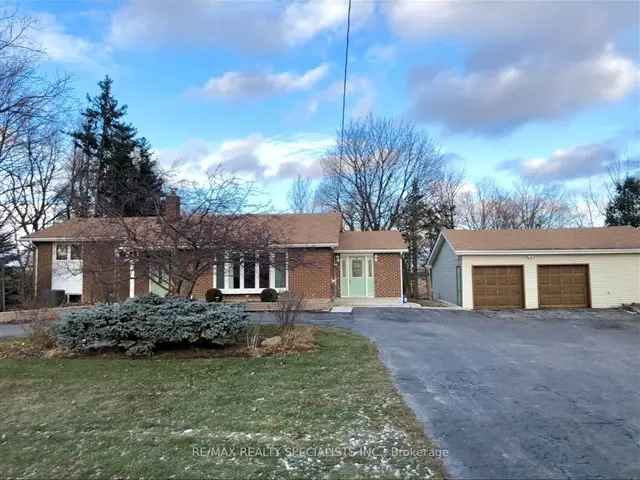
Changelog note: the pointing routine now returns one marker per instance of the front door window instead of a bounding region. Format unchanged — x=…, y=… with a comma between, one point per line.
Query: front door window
x=356, y=268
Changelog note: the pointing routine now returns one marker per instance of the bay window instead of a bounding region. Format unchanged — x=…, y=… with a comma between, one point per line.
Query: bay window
x=250, y=272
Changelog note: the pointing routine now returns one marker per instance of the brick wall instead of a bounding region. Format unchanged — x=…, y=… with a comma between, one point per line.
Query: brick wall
x=388, y=275
x=105, y=276
x=311, y=272
x=45, y=263
x=203, y=283
x=141, y=279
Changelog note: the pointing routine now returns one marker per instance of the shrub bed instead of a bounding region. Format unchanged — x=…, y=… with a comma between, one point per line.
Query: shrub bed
x=138, y=326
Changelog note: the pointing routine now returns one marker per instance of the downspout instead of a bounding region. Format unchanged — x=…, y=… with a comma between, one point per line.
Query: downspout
x=401, y=281
x=35, y=272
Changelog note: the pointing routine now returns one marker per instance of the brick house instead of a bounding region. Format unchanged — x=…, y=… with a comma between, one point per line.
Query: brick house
x=330, y=263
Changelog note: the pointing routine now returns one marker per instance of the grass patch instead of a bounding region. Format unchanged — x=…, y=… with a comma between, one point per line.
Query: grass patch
x=330, y=413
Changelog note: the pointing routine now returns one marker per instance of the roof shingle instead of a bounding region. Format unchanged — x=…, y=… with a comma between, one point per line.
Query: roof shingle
x=295, y=229
x=614, y=238
x=380, y=240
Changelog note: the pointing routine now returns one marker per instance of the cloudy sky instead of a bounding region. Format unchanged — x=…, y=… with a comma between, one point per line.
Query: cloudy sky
x=547, y=90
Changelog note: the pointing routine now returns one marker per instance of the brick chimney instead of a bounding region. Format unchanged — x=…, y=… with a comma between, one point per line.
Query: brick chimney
x=172, y=206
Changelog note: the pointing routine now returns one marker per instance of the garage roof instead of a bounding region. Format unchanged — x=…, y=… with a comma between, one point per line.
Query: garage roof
x=608, y=238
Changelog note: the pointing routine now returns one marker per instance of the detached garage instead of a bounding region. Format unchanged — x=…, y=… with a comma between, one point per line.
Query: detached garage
x=563, y=268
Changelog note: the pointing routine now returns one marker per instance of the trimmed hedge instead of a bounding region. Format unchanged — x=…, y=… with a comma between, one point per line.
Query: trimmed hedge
x=269, y=295
x=138, y=326
x=213, y=295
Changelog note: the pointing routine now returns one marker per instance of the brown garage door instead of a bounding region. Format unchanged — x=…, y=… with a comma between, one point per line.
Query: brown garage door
x=498, y=287
x=563, y=286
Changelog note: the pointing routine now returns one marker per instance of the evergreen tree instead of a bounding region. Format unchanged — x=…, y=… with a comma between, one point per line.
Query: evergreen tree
x=412, y=226
x=7, y=255
x=624, y=208
x=121, y=173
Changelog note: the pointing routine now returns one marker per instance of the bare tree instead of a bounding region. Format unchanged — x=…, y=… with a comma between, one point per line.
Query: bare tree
x=216, y=225
x=368, y=174
x=28, y=100
x=32, y=109
x=526, y=206
x=301, y=195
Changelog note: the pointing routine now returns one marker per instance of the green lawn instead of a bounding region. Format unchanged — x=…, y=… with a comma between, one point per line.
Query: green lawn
x=331, y=413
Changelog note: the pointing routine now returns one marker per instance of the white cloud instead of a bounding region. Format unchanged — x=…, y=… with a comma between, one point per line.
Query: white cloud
x=495, y=101
x=239, y=85
x=524, y=61
x=254, y=157
x=253, y=26
x=49, y=35
x=579, y=161
x=516, y=28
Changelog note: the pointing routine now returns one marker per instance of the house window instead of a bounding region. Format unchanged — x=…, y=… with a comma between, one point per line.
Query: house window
x=68, y=251
x=61, y=252
x=76, y=251
x=235, y=271
x=264, y=267
x=220, y=271
x=158, y=280
x=280, y=270
x=249, y=271
x=369, y=267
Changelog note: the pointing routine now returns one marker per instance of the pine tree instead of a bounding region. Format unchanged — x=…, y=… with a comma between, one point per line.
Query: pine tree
x=624, y=208
x=412, y=226
x=7, y=255
x=121, y=173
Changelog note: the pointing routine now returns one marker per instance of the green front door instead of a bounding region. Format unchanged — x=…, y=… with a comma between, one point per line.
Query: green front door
x=357, y=278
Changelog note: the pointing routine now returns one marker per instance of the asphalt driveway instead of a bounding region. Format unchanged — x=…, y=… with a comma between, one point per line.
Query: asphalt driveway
x=527, y=394
x=517, y=394
x=11, y=330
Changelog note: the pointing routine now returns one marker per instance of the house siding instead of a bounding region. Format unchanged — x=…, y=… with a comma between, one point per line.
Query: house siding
x=614, y=278
x=444, y=275
x=388, y=275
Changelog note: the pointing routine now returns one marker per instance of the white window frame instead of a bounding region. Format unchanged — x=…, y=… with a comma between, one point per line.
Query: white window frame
x=67, y=247
x=227, y=288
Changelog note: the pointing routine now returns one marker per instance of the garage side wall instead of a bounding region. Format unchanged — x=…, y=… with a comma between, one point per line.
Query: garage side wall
x=614, y=278
x=444, y=275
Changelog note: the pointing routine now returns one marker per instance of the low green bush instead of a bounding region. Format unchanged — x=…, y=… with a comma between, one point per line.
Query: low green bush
x=138, y=326
x=269, y=295
x=213, y=295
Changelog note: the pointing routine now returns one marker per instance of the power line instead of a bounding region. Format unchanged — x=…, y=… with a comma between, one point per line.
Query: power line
x=344, y=83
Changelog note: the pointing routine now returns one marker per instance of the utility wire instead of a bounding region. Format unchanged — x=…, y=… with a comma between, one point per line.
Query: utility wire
x=344, y=83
